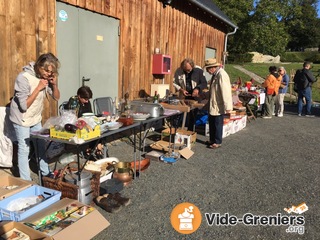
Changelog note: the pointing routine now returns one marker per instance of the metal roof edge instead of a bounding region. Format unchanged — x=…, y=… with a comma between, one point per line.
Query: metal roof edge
x=211, y=11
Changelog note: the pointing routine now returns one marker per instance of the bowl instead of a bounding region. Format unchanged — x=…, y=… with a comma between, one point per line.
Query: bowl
x=140, y=116
x=114, y=125
x=144, y=164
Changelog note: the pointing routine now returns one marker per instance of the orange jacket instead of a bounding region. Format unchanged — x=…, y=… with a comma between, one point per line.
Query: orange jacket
x=272, y=82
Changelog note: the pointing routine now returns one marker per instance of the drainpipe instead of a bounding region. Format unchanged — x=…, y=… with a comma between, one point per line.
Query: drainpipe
x=225, y=45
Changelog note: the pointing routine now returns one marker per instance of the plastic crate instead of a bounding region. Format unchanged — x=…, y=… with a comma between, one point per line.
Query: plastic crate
x=83, y=134
x=51, y=196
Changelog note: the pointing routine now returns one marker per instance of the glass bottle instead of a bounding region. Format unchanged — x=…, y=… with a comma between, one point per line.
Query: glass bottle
x=155, y=97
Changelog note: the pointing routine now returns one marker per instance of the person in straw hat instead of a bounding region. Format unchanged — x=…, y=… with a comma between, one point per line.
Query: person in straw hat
x=220, y=101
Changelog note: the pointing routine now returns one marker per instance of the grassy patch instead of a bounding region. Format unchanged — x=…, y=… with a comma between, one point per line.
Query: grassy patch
x=261, y=69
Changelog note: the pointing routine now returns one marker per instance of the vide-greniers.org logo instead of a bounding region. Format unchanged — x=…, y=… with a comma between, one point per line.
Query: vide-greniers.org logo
x=186, y=218
x=295, y=222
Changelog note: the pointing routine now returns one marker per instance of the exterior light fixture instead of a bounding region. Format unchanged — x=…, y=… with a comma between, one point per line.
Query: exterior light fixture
x=166, y=2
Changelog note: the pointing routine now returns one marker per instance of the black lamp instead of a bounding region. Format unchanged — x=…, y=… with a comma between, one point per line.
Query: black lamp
x=166, y=2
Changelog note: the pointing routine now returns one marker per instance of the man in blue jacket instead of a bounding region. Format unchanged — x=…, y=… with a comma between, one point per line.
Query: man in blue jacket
x=306, y=91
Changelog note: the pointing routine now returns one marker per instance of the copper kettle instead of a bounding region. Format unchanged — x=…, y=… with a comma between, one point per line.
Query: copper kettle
x=122, y=171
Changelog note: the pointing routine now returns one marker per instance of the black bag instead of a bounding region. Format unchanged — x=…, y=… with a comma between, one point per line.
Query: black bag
x=300, y=81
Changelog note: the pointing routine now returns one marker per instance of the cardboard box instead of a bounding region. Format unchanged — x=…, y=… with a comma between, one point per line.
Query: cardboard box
x=186, y=153
x=10, y=185
x=227, y=129
x=239, y=124
x=50, y=197
x=33, y=234
x=182, y=137
x=164, y=146
x=154, y=155
x=83, y=133
x=84, y=228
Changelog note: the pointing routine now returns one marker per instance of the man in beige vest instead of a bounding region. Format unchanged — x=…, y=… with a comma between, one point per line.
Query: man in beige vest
x=220, y=101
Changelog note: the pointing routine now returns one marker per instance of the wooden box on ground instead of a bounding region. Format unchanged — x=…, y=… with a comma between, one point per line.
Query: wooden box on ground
x=85, y=227
x=10, y=185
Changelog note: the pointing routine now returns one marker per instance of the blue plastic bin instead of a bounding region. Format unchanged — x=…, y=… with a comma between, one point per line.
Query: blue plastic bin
x=51, y=196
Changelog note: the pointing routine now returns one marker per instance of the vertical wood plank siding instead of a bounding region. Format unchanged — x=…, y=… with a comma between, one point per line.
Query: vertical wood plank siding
x=27, y=29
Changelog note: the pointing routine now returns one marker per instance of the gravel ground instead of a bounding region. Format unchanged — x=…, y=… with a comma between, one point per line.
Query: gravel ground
x=269, y=165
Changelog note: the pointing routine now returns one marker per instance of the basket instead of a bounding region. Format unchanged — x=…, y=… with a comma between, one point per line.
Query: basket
x=69, y=190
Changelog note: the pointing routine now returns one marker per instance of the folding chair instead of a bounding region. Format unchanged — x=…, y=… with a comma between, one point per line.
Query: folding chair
x=102, y=104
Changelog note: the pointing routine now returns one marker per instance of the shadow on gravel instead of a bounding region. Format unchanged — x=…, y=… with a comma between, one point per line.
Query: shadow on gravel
x=292, y=109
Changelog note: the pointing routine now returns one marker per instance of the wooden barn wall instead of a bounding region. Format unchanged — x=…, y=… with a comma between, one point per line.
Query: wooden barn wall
x=27, y=29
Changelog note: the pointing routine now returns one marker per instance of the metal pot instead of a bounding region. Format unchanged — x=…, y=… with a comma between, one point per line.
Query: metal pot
x=121, y=167
x=85, y=195
x=154, y=109
x=122, y=171
x=124, y=177
x=85, y=191
x=85, y=178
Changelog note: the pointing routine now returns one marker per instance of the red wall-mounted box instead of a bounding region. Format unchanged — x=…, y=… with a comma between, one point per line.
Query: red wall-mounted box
x=161, y=64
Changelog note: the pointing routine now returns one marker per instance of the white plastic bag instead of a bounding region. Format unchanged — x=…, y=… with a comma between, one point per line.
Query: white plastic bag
x=21, y=204
x=6, y=152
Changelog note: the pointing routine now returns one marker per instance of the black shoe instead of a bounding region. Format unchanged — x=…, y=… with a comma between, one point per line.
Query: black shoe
x=121, y=200
x=108, y=204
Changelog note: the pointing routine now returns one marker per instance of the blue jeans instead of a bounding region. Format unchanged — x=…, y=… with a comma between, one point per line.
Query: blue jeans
x=215, y=128
x=23, y=138
x=307, y=94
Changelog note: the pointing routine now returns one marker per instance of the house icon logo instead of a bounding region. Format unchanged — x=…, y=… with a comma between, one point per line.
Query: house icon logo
x=186, y=218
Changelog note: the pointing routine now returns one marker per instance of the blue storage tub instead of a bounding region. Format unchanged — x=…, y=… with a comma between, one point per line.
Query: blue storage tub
x=50, y=196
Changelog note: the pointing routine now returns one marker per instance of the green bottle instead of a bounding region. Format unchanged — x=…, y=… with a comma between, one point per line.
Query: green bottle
x=155, y=97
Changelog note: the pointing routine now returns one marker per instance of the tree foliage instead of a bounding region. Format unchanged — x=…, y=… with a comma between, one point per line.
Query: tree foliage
x=272, y=26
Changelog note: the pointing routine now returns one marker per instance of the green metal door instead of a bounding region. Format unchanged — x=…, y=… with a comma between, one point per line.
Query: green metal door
x=210, y=53
x=88, y=48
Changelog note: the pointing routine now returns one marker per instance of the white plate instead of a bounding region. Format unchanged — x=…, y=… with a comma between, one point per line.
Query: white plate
x=104, y=127
x=140, y=116
x=114, y=125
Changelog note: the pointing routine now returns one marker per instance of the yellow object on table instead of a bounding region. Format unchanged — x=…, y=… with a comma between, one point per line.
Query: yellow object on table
x=83, y=133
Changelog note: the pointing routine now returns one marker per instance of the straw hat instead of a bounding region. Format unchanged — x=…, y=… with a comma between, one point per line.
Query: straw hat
x=211, y=62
